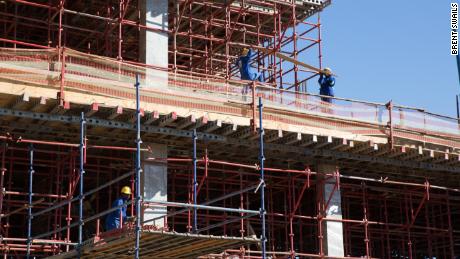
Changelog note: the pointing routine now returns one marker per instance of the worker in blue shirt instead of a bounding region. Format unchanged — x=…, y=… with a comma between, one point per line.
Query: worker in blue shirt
x=113, y=219
x=326, y=81
x=246, y=71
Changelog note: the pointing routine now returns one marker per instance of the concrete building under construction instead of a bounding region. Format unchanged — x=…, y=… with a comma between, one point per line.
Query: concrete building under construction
x=100, y=94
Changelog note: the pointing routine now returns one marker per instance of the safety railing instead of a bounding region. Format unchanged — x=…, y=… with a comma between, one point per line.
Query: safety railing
x=66, y=70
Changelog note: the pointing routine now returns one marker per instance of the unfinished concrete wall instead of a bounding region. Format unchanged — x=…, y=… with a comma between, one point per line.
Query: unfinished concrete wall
x=332, y=231
x=155, y=184
x=153, y=45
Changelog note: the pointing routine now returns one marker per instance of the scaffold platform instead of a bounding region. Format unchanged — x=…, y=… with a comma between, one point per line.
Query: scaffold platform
x=156, y=244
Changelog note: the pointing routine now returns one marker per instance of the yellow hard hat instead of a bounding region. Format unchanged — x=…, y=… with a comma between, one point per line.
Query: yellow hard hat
x=245, y=51
x=126, y=190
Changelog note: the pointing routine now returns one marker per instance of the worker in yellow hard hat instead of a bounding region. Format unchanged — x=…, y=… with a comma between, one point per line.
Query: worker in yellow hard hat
x=126, y=190
x=246, y=71
x=113, y=218
x=244, y=52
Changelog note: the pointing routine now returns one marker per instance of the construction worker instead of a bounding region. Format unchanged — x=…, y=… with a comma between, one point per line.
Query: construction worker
x=326, y=81
x=246, y=71
x=90, y=227
x=113, y=219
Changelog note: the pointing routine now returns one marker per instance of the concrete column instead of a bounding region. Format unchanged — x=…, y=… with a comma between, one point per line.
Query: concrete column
x=155, y=184
x=153, y=45
x=332, y=231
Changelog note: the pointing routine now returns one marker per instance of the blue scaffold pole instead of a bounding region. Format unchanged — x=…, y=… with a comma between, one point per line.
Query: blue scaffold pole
x=195, y=183
x=29, y=207
x=262, y=179
x=138, y=170
x=82, y=174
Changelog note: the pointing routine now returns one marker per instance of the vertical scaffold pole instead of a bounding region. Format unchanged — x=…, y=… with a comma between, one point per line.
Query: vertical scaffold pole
x=82, y=174
x=389, y=106
x=195, y=221
x=138, y=169
x=458, y=108
x=262, y=178
x=29, y=207
x=2, y=179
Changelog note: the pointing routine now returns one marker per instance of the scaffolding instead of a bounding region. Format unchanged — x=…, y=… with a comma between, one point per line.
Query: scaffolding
x=205, y=36
x=136, y=203
x=383, y=218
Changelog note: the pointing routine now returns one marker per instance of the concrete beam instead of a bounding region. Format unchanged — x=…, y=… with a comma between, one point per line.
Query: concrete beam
x=167, y=119
x=20, y=102
x=200, y=122
x=308, y=141
x=38, y=104
x=117, y=111
x=273, y=135
x=186, y=122
x=133, y=117
x=326, y=142
x=339, y=143
x=57, y=109
x=92, y=109
x=229, y=129
x=151, y=117
x=292, y=138
x=212, y=126
x=243, y=133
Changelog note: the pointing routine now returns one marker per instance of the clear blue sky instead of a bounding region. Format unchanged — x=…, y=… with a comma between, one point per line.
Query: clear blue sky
x=394, y=49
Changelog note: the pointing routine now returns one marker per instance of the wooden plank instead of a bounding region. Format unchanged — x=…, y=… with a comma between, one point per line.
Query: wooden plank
x=157, y=244
x=287, y=58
